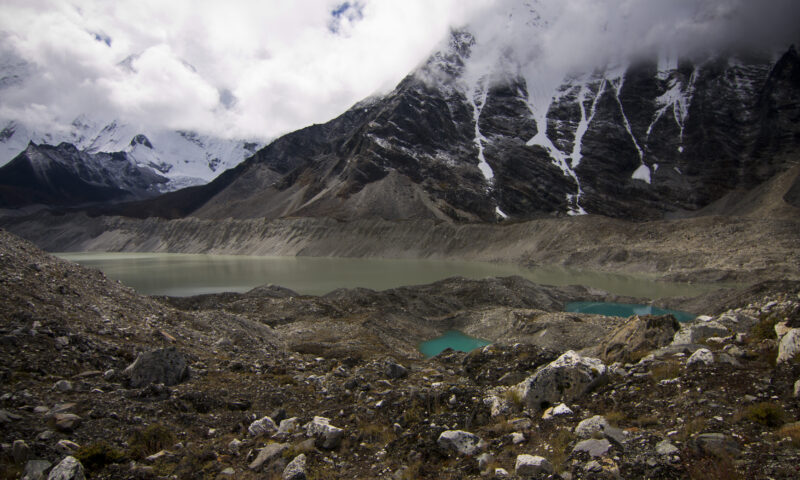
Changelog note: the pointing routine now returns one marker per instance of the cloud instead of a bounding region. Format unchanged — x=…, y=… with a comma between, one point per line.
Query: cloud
x=258, y=69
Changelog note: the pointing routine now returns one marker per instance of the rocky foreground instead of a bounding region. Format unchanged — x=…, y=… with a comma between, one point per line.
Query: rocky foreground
x=99, y=382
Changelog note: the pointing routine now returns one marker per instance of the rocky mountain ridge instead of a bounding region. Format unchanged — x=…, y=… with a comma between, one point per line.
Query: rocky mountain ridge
x=652, y=138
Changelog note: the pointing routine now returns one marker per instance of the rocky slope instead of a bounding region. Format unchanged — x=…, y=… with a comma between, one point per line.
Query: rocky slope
x=269, y=383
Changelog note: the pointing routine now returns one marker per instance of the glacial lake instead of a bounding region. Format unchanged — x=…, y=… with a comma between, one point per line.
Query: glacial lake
x=625, y=310
x=451, y=339
x=189, y=274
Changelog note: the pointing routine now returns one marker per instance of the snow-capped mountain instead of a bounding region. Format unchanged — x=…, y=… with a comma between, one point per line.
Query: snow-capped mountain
x=64, y=175
x=465, y=139
x=184, y=158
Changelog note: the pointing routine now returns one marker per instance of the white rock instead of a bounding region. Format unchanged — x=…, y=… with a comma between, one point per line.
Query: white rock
x=288, y=426
x=797, y=388
x=296, y=470
x=517, y=438
x=328, y=436
x=781, y=329
x=665, y=447
x=262, y=426
x=696, y=331
x=459, y=441
x=587, y=428
x=67, y=446
x=69, y=469
x=532, y=466
x=558, y=410
x=702, y=356
x=501, y=473
x=593, y=446
x=568, y=377
x=789, y=347
x=234, y=446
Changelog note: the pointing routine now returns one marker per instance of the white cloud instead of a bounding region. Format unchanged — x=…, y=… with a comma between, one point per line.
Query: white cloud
x=281, y=65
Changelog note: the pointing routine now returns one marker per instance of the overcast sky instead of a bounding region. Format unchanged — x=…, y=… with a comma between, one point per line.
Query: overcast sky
x=257, y=69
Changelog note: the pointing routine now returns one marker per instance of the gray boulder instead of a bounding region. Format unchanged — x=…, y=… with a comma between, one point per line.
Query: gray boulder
x=665, y=447
x=789, y=347
x=567, y=378
x=35, y=470
x=394, y=370
x=593, y=446
x=699, y=330
x=296, y=470
x=69, y=469
x=532, y=466
x=639, y=334
x=717, y=443
x=267, y=455
x=587, y=428
x=327, y=436
x=701, y=357
x=166, y=365
x=262, y=426
x=461, y=442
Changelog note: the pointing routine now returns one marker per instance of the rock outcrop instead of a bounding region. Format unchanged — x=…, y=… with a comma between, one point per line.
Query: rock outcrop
x=565, y=379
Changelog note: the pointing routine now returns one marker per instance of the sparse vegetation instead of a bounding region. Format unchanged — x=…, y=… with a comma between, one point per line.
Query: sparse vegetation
x=791, y=431
x=99, y=454
x=769, y=414
x=150, y=440
x=665, y=371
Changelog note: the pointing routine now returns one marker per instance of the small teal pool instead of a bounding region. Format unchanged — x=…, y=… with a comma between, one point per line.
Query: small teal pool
x=624, y=310
x=451, y=339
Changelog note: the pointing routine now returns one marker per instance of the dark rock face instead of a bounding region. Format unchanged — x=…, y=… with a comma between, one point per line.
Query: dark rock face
x=63, y=175
x=637, y=142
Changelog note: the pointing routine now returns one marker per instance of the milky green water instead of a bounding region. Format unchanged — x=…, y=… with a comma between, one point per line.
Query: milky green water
x=184, y=275
x=625, y=310
x=451, y=339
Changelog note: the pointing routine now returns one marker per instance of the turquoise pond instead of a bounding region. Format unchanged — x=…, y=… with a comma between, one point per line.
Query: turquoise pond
x=451, y=339
x=624, y=310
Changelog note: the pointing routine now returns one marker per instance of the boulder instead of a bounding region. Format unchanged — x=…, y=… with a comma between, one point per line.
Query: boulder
x=532, y=466
x=394, y=370
x=637, y=335
x=69, y=469
x=66, y=422
x=716, y=443
x=789, y=346
x=593, y=446
x=699, y=330
x=459, y=441
x=566, y=378
x=665, y=447
x=262, y=426
x=327, y=436
x=166, y=365
x=701, y=357
x=35, y=470
x=296, y=470
x=587, y=428
x=20, y=451
x=267, y=455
